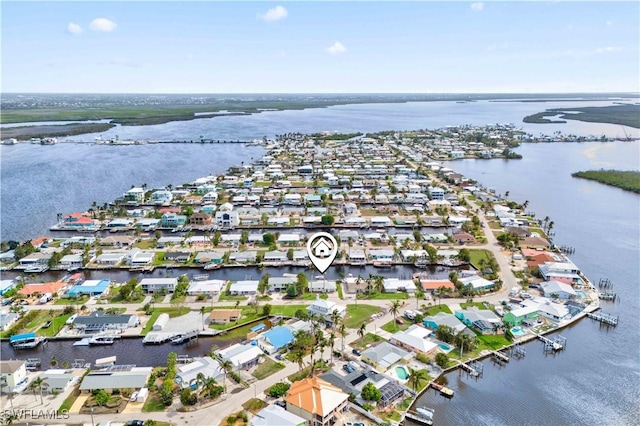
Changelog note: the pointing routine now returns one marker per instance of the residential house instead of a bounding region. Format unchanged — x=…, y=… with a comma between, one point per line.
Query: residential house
x=557, y=289
x=78, y=221
x=477, y=282
x=415, y=340
x=553, y=311
x=110, y=258
x=324, y=308
x=226, y=217
x=71, y=261
x=177, y=256
x=136, y=378
x=276, y=339
x=200, y=219
x=134, y=196
x=56, y=381
x=275, y=256
x=281, y=283
x=224, y=316
x=394, y=285
x=322, y=286
x=90, y=287
x=317, y=401
x=432, y=286
x=187, y=375
x=13, y=373
x=161, y=197
x=353, y=383
x=521, y=315
x=381, y=254
x=154, y=285
x=41, y=288
x=35, y=259
x=442, y=318
x=385, y=355
x=7, y=319
x=249, y=256
x=119, y=241
x=483, y=320
x=275, y=415
x=5, y=286
x=99, y=321
x=206, y=287
x=241, y=356
x=209, y=257
x=565, y=272
x=244, y=288
x=172, y=220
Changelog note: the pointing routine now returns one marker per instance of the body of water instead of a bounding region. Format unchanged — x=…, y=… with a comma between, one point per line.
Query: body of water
x=595, y=380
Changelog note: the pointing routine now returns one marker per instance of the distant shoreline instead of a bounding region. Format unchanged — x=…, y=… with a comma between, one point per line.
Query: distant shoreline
x=625, y=115
x=626, y=180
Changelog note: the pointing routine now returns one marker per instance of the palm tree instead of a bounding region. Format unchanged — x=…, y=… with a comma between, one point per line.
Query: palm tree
x=297, y=356
x=361, y=330
x=226, y=367
x=395, y=310
x=343, y=333
x=335, y=319
x=415, y=377
x=202, y=314
x=332, y=341
x=37, y=384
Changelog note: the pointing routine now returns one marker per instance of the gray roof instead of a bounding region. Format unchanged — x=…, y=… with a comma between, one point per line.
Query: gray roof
x=273, y=415
x=134, y=379
x=450, y=320
x=10, y=367
x=97, y=318
x=385, y=354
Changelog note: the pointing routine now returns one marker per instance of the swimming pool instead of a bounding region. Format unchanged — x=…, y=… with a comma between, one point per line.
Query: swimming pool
x=518, y=331
x=444, y=347
x=401, y=372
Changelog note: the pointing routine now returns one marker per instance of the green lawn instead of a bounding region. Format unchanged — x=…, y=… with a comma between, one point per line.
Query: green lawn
x=339, y=288
x=33, y=320
x=368, y=339
x=391, y=327
x=153, y=403
x=313, y=296
x=358, y=314
x=81, y=300
x=145, y=244
x=478, y=305
x=225, y=297
x=68, y=402
x=254, y=405
x=384, y=296
x=477, y=254
x=437, y=308
x=56, y=325
x=267, y=368
x=493, y=342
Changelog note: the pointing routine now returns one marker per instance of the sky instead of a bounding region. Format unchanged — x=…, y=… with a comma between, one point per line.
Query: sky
x=320, y=47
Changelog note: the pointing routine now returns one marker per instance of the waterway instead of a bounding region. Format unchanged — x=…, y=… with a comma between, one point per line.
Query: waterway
x=595, y=380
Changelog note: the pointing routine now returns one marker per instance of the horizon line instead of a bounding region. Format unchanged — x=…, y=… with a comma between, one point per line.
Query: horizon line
x=637, y=93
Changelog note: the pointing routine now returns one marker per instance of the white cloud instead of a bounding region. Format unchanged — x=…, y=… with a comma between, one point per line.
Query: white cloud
x=103, y=25
x=336, y=49
x=608, y=49
x=609, y=23
x=275, y=14
x=477, y=6
x=74, y=28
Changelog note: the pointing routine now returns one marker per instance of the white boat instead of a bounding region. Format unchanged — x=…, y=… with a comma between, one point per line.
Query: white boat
x=81, y=342
x=25, y=341
x=101, y=340
x=425, y=412
x=210, y=266
x=105, y=362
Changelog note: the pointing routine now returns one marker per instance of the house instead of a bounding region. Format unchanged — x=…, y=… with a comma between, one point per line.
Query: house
x=78, y=221
x=206, y=287
x=483, y=320
x=354, y=382
x=90, y=287
x=241, y=356
x=119, y=222
x=56, y=381
x=153, y=285
x=210, y=198
x=520, y=315
x=350, y=209
x=476, y=282
x=357, y=256
x=463, y=237
x=5, y=286
x=322, y=286
x=224, y=316
x=99, y=321
x=200, y=219
x=275, y=415
x=7, y=320
x=324, y=309
x=317, y=401
x=565, y=272
x=173, y=220
x=243, y=288
x=276, y=339
x=41, y=288
x=35, y=259
x=394, y=285
x=161, y=197
x=137, y=257
x=110, y=258
x=559, y=289
x=385, y=355
x=553, y=311
x=249, y=256
x=119, y=241
x=135, y=378
x=134, y=196
x=442, y=318
x=177, y=256
x=80, y=240
x=209, y=257
x=226, y=217
x=275, y=256
x=13, y=373
x=187, y=375
x=414, y=339
x=431, y=286
x=381, y=254
x=291, y=239
x=281, y=283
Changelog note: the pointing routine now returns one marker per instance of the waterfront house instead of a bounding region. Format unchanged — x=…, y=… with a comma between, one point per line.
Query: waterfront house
x=110, y=258
x=153, y=285
x=187, y=375
x=13, y=373
x=249, y=256
x=147, y=224
x=120, y=223
x=99, y=321
x=551, y=310
x=71, y=261
x=520, y=315
x=242, y=356
x=281, y=283
x=431, y=286
x=394, y=285
x=224, y=316
x=385, y=355
x=244, y=288
x=172, y=220
x=442, y=318
x=41, y=288
x=161, y=197
x=227, y=217
x=35, y=259
x=119, y=241
x=210, y=198
x=206, y=287
x=90, y=287
x=316, y=400
x=357, y=255
x=56, y=381
x=322, y=286
x=7, y=320
x=8, y=256
x=557, y=289
x=134, y=196
x=414, y=339
x=476, y=282
x=324, y=308
x=200, y=219
x=275, y=256
x=353, y=383
x=78, y=221
x=483, y=320
x=276, y=339
x=565, y=272
x=136, y=378
x=177, y=256
x=78, y=240
x=381, y=254
x=5, y=286
x=137, y=257
x=275, y=415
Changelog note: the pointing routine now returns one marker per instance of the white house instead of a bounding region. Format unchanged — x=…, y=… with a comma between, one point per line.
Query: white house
x=241, y=356
x=226, y=217
x=562, y=290
x=324, y=309
x=393, y=285
x=153, y=285
x=245, y=287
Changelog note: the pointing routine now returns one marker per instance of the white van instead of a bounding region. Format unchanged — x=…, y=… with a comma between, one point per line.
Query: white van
x=71, y=319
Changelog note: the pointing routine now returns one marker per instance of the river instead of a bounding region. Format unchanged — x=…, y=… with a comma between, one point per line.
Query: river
x=595, y=380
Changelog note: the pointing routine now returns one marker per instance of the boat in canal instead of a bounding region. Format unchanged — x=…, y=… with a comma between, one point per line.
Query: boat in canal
x=25, y=341
x=425, y=412
x=101, y=340
x=82, y=342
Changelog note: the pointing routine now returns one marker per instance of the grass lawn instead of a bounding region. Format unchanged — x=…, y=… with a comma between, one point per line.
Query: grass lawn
x=312, y=296
x=394, y=416
x=493, y=342
x=339, y=288
x=494, y=225
x=423, y=383
x=225, y=297
x=173, y=312
x=477, y=254
x=384, y=296
x=366, y=341
x=391, y=327
x=56, y=325
x=34, y=320
x=267, y=368
x=478, y=305
x=287, y=310
x=145, y=244
x=81, y=300
x=254, y=405
x=153, y=403
x=305, y=373
x=68, y=402
x=358, y=314
x=437, y=308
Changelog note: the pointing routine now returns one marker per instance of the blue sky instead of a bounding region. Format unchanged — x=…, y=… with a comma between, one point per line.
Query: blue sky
x=308, y=47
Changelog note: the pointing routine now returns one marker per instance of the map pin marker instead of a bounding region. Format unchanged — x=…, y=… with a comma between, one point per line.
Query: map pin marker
x=322, y=249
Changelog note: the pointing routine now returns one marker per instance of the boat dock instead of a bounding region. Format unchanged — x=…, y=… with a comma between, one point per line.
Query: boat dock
x=444, y=391
x=33, y=363
x=474, y=370
x=185, y=337
x=157, y=338
x=603, y=318
x=500, y=357
x=417, y=418
x=556, y=344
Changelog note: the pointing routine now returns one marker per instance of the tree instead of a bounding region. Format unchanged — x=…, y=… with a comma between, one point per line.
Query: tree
x=291, y=291
x=36, y=384
x=415, y=377
x=302, y=283
x=371, y=393
x=202, y=314
x=342, y=330
x=442, y=360
x=362, y=329
x=101, y=397
x=188, y=397
x=297, y=356
x=327, y=219
x=266, y=310
x=278, y=390
x=395, y=310
x=269, y=239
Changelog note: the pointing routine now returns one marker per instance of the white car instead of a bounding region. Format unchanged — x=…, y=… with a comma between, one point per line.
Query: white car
x=134, y=396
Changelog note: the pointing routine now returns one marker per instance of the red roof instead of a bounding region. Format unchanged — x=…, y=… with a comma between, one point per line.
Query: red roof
x=169, y=210
x=436, y=284
x=42, y=288
x=37, y=242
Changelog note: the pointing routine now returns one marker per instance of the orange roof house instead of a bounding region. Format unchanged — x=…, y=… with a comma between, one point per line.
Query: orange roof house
x=539, y=259
x=41, y=288
x=316, y=400
x=433, y=285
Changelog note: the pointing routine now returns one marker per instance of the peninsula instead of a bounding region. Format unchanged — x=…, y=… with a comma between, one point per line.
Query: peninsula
x=627, y=180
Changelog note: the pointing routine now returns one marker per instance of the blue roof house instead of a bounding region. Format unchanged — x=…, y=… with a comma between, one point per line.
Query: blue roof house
x=276, y=339
x=90, y=287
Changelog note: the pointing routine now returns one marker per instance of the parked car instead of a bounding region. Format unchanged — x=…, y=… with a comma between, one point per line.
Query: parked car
x=133, y=396
x=135, y=423
x=356, y=352
x=47, y=324
x=348, y=368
